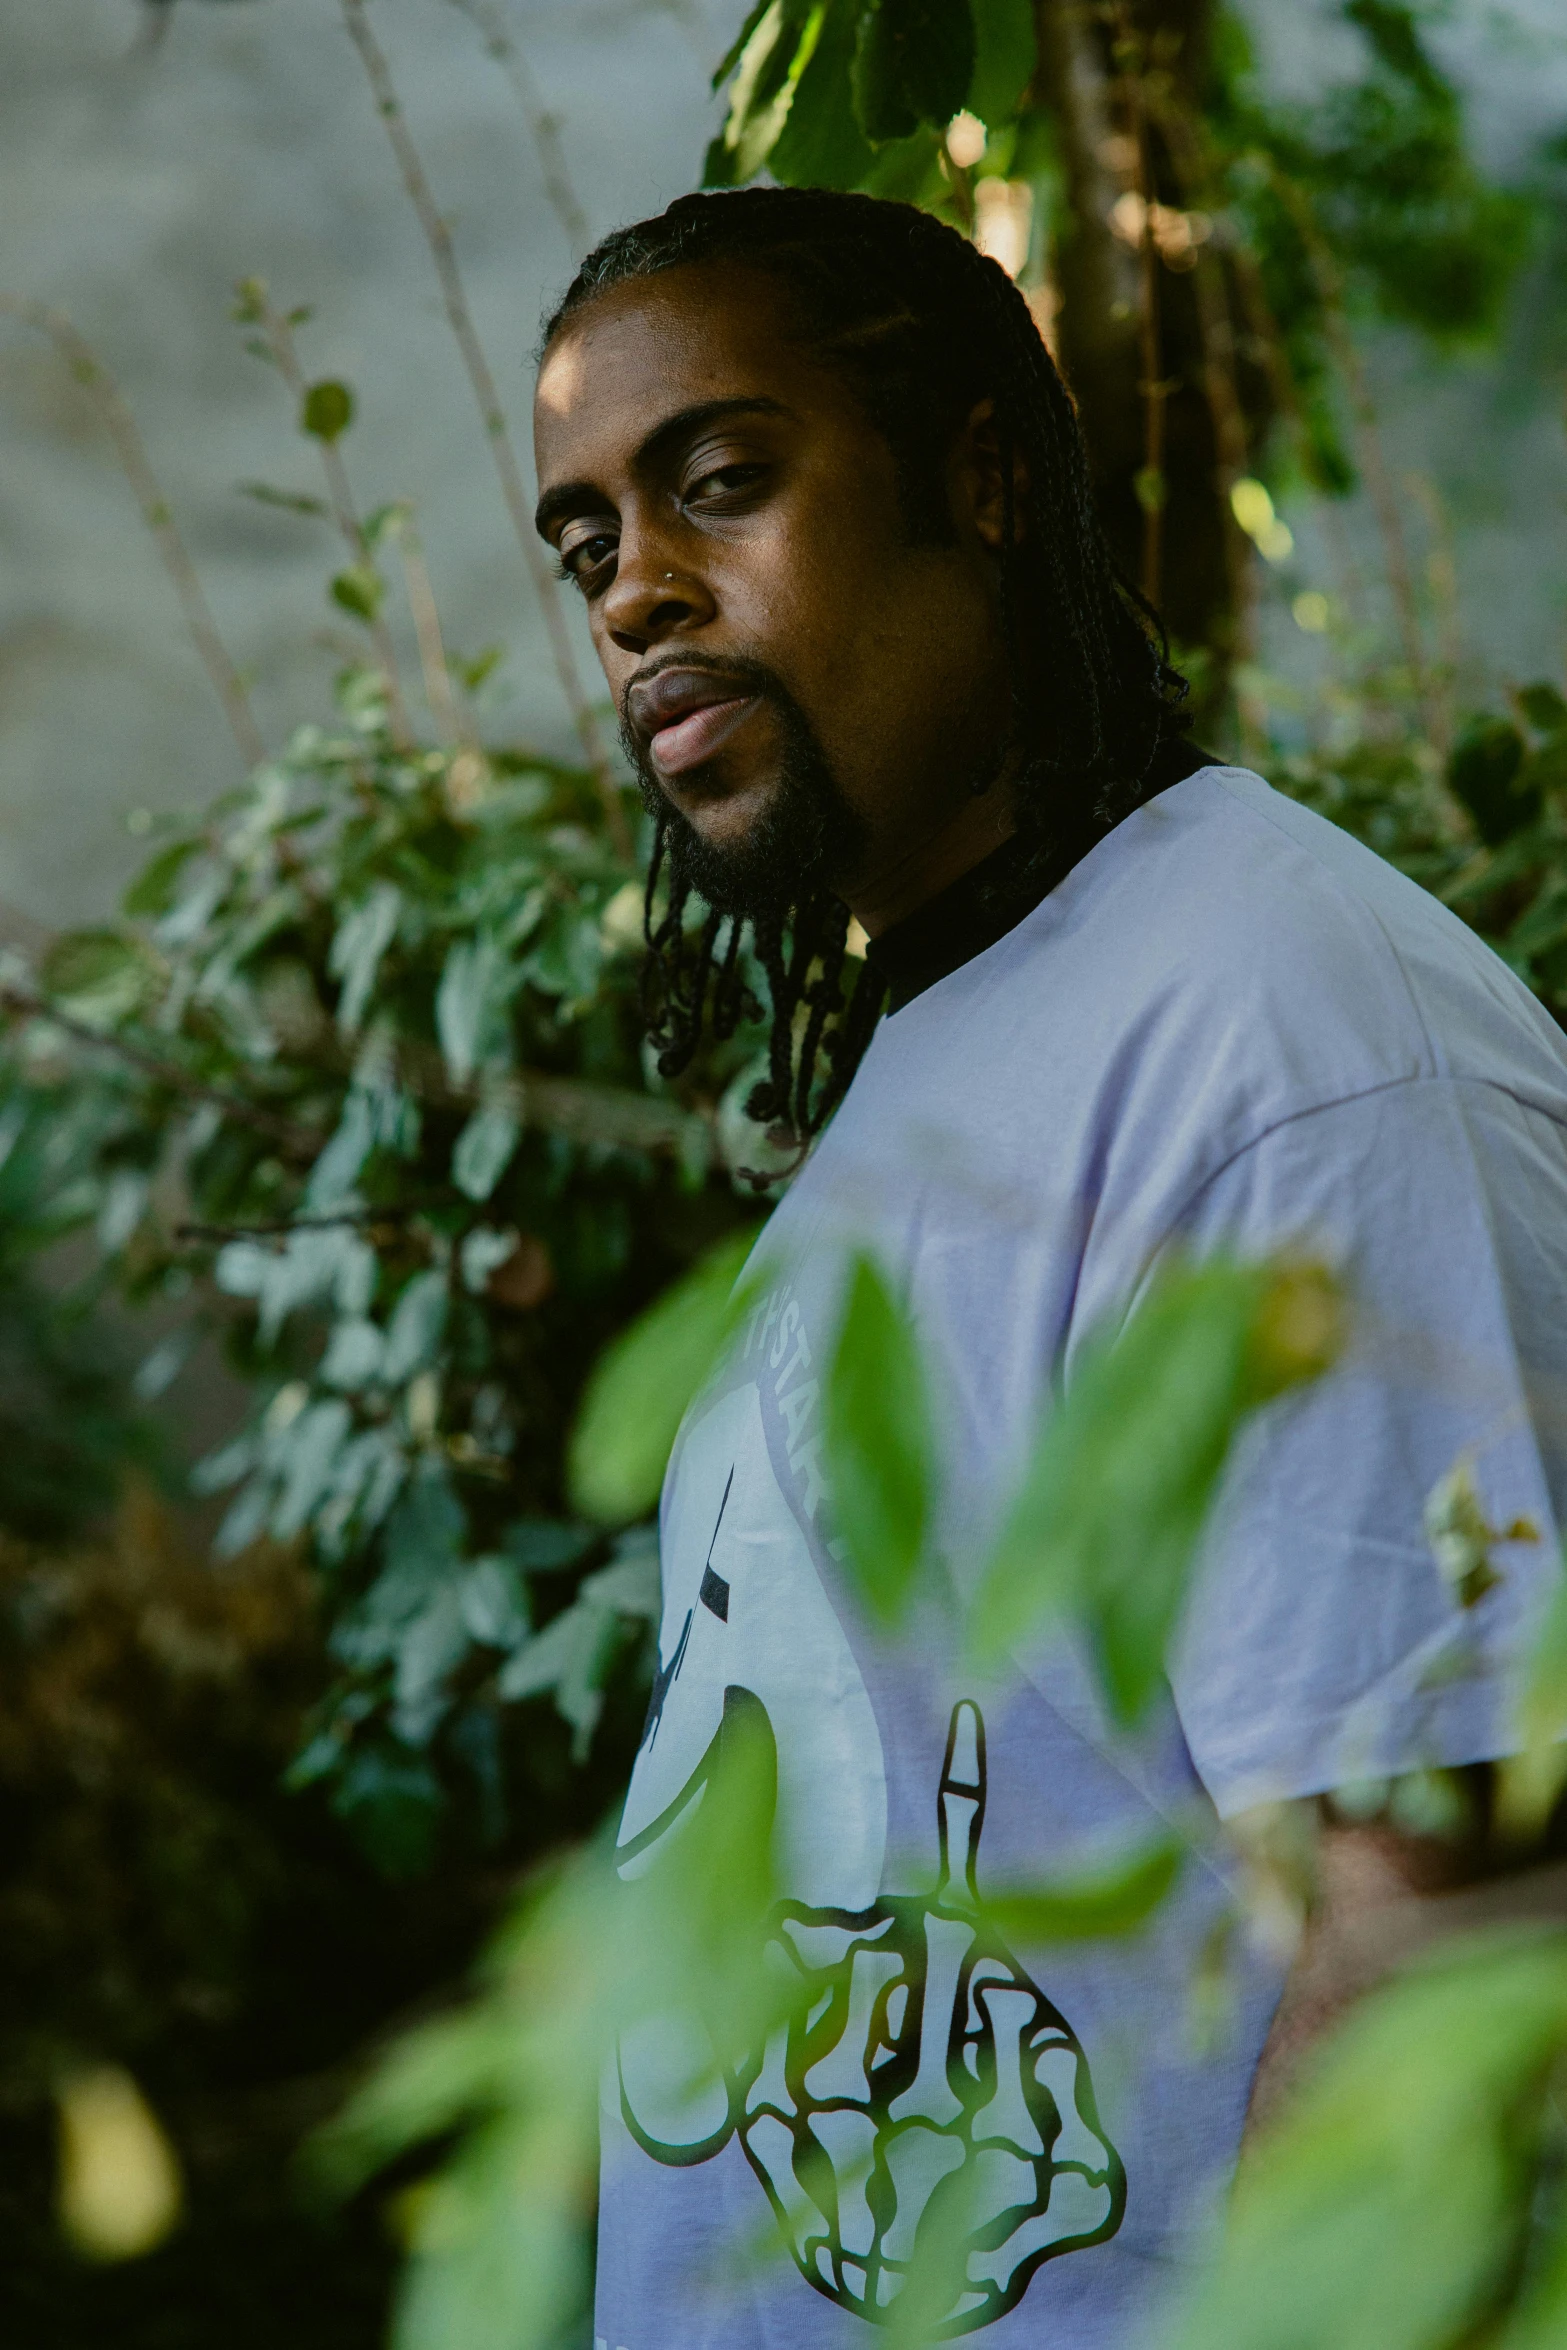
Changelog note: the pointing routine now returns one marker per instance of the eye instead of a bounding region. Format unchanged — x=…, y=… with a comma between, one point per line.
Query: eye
x=725, y=483
x=581, y=556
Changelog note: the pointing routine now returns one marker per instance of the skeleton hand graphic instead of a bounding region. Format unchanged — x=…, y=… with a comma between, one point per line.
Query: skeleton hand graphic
x=917, y=2053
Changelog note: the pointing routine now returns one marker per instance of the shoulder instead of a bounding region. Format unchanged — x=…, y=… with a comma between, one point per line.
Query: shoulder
x=1224, y=961
x=1250, y=931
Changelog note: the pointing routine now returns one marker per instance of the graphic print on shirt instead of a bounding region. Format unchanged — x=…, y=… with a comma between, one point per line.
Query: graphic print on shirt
x=920, y=2061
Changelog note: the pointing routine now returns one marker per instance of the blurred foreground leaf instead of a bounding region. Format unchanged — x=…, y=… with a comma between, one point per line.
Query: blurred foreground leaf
x=1114, y=1899
x=878, y=1441
x=638, y=1395
x=1483, y=769
x=120, y=2191
x=1385, y=2211
x=1529, y=1782
x=1107, y=1522
x=913, y=65
x=499, y=2235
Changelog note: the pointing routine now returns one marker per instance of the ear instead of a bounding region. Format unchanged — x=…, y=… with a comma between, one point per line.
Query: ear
x=980, y=479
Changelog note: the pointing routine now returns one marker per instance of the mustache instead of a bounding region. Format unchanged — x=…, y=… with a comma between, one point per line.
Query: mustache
x=740, y=675
x=807, y=831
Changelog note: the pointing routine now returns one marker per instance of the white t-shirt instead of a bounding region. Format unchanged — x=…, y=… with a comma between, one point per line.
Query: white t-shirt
x=1230, y=1027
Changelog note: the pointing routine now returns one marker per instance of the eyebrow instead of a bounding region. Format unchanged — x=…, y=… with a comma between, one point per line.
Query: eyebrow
x=575, y=497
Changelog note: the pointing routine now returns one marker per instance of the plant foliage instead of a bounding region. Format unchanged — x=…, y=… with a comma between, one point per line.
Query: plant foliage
x=360, y=1075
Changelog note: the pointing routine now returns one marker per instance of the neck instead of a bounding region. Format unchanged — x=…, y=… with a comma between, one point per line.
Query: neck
x=889, y=889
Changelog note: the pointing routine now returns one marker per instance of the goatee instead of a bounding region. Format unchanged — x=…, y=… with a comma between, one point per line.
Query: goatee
x=806, y=835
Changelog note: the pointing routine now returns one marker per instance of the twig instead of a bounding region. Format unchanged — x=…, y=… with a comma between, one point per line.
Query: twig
x=1229, y=435
x=89, y=371
x=1216, y=329
x=443, y=253
x=280, y=341
x=1373, y=462
x=284, y=1225
x=1442, y=573
x=301, y=1142
x=1151, y=385
x=543, y=126
x=427, y=629
x=1379, y=485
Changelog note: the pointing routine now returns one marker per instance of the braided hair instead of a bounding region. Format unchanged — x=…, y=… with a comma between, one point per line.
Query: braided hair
x=923, y=327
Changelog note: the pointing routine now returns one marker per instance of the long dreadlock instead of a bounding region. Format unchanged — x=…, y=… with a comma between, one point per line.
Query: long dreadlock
x=924, y=327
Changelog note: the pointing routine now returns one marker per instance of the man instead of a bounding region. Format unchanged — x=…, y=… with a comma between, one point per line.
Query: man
x=812, y=469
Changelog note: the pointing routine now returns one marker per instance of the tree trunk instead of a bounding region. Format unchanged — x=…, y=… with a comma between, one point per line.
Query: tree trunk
x=1142, y=331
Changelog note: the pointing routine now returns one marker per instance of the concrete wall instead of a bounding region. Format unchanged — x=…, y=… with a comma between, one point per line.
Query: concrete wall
x=138, y=181
x=136, y=184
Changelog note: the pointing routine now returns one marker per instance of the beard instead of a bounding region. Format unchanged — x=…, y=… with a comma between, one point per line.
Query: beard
x=805, y=836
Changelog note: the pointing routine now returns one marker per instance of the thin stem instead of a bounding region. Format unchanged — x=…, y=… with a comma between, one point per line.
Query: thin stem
x=280, y=341
x=543, y=126
x=1229, y=435
x=443, y=253
x=958, y=179
x=427, y=629
x=1368, y=440
x=1384, y=501
x=300, y=1142
x=282, y=1226
x=1442, y=574
x=1152, y=386
x=90, y=372
x=1216, y=328
x=1346, y=571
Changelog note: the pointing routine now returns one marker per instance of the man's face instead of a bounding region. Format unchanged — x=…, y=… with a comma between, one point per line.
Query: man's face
x=811, y=690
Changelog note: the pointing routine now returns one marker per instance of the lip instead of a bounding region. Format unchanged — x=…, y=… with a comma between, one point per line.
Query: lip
x=686, y=742
x=687, y=714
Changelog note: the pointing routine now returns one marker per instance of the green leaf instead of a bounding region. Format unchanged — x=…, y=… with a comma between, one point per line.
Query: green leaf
x=327, y=410
x=100, y=976
x=153, y=891
x=1115, y=1898
x=1529, y=1782
x=414, y=1333
x=1538, y=2320
x=1385, y=2211
x=474, y=671
x=359, y=590
x=1543, y=708
x=484, y=1148
x=388, y=522
x=314, y=1442
x=290, y=501
x=469, y=1001
x=1545, y=769
x=737, y=47
x=391, y=1802
x=878, y=1442
x=337, y=1170
x=913, y=64
x=544, y=1545
x=821, y=144
x=771, y=64
x=429, y=1649
x=643, y=1384
x=1483, y=770
x=1105, y=1528
x=1005, y=54
x=363, y=934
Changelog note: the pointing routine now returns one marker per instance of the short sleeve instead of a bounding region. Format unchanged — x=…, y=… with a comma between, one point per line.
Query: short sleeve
x=1322, y=1644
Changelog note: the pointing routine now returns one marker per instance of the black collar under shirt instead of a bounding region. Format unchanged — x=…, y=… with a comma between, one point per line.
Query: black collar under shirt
x=994, y=896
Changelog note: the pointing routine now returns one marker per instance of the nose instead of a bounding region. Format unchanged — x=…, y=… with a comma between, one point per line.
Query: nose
x=653, y=596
